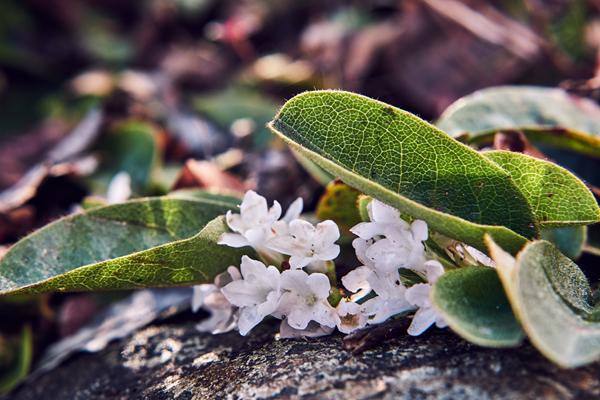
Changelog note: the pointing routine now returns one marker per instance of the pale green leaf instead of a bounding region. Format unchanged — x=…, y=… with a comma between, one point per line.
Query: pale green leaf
x=553, y=301
x=473, y=303
x=148, y=242
x=402, y=160
x=513, y=107
x=570, y=240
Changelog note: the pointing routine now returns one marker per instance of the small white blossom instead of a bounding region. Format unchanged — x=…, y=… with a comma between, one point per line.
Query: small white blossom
x=357, y=281
x=352, y=316
x=304, y=299
x=387, y=242
x=418, y=296
x=253, y=223
x=401, y=247
x=306, y=244
x=312, y=330
x=257, y=294
x=257, y=223
x=223, y=315
x=382, y=217
x=390, y=299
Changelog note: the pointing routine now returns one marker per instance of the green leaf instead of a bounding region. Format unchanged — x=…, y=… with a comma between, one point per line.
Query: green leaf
x=131, y=148
x=148, y=242
x=570, y=240
x=557, y=197
x=515, y=107
x=552, y=299
x=402, y=160
x=473, y=303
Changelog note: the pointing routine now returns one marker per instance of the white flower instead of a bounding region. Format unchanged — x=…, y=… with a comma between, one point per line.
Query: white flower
x=257, y=223
x=312, y=330
x=390, y=299
x=382, y=217
x=388, y=242
x=304, y=299
x=257, y=294
x=223, y=314
x=306, y=244
x=401, y=248
x=357, y=281
x=253, y=223
x=418, y=296
x=352, y=316
x=360, y=248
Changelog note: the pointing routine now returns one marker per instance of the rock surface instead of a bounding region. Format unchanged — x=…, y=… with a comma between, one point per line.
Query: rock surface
x=176, y=362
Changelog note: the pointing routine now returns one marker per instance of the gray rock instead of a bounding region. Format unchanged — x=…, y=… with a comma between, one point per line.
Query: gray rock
x=176, y=362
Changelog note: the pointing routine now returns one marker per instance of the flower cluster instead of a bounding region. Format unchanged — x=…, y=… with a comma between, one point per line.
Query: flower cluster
x=386, y=245
x=290, y=283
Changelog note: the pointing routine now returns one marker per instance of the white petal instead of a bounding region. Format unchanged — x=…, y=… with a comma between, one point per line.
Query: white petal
x=329, y=253
x=367, y=230
x=297, y=262
x=275, y=212
x=233, y=240
x=234, y=221
x=294, y=280
x=294, y=210
x=234, y=273
x=271, y=304
x=312, y=330
x=386, y=255
x=200, y=293
x=327, y=232
x=257, y=237
x=352, y=316
x=248, y=319
x=381, y=212
x=298, y=318
x=301, y=229
x=357, y=279
x=422, y=320
x=253, y=205
x=419, y=230
x=433, y=270
x=319, y=284
x=251, y=267
x=282, y=243
x=360, y=247
x=325, y=314
x=418, y=295
x=243, y=294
